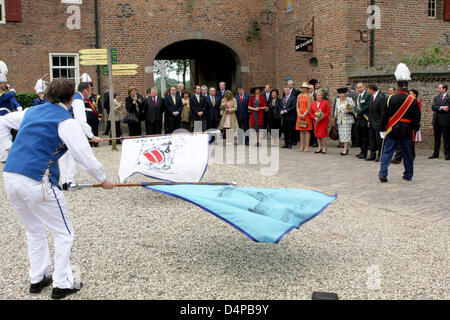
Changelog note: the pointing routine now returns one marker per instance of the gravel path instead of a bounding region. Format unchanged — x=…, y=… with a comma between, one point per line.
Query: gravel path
x=137, y=244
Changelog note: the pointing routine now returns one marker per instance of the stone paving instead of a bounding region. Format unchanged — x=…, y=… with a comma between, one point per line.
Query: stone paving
x=427, y=195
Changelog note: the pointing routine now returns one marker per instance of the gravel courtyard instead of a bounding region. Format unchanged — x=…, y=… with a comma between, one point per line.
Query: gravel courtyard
x=137, y=244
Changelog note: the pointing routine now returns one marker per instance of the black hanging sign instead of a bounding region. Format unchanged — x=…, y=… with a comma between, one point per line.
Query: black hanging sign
x=304, y=44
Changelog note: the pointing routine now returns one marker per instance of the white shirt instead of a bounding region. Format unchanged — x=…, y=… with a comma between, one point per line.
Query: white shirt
x=375, y=95
x=70, y=133
x=79, y=114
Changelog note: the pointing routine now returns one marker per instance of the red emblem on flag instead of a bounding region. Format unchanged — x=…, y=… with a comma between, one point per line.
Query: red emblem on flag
x=154, y=156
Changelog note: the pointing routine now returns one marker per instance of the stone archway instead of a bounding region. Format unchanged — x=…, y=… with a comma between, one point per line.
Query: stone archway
x=241, y=66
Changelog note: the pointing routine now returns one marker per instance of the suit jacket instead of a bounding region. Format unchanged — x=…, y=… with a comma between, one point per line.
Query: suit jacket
x=362, y=109
x=377, y=109
x=290, y=107
x=170, y=107
x=153, y=114
x=242, y=113
x=441, y=117
x=197, y=107
x=275, y=108
x=294, y=92
x=213, y=111
x=220, y=94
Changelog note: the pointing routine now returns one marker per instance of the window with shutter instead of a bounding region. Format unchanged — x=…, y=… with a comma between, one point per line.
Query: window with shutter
x=447, y=10
x=13, y=11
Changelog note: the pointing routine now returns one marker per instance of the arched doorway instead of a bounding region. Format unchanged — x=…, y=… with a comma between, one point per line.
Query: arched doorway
x=214, y=58
x=211, y=62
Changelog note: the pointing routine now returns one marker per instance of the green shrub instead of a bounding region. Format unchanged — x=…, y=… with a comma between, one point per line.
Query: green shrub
x=25, y=99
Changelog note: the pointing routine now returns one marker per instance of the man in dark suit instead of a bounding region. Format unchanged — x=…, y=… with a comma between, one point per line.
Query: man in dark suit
x=180, y=90
x=198, y=108
x=377, y=109
x=173, y=106
x=441, y=122
x=153, y=109
x=289, y=116
x=243, y=99
x=293, y=92
x=106, y=107
x=222, y=89
x=213, y=109
x=361, y=113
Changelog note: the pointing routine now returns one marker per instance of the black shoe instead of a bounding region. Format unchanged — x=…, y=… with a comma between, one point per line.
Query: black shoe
x=285, y=146
x=289, y=146
x=447, y=158
x=344, y=154
x=361, y=156
x=434, y=156
x=318, y=151
x=38, y=287
x=383, y=179
x=405, y=178
x=64, y=187
x=106, y=133
x=371, y=158
x=58, y=293
x=294, y=143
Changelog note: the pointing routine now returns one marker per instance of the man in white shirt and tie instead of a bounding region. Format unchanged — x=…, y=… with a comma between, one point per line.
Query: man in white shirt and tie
x=198, y=108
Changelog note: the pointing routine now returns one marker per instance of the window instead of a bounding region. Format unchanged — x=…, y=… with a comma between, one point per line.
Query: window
x=432, y=8
x=64, y=65
x=2, y=11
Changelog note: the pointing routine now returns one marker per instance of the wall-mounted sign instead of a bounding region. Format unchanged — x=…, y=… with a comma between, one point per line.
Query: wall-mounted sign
x=304, y=44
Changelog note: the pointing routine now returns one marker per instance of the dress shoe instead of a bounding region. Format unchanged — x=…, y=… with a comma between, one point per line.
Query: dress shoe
x=64, y=187
x=284, y=147
x=371, y=158
x=38, y=287
x=58, y=293
x=447, y=158
x=383, y=179
x=344, y=154
x=434, y=156
x=377, y=159
x=394, y=161
x=405, y=178
x=318, y=151
x=361, y=156
x=289, y=146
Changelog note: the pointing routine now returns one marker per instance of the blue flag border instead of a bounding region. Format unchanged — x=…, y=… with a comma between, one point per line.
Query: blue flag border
x=235, y=226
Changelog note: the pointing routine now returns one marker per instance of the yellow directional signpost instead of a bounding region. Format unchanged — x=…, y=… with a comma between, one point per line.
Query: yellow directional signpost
x=108, y=59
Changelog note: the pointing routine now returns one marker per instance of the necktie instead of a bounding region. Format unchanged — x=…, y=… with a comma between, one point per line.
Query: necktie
x=198, y=99
x=287, y=98
x=442, y=98
x=373, y=99
x=174, y=101
x=213, y=102
x=242, y=99
x=154, y=101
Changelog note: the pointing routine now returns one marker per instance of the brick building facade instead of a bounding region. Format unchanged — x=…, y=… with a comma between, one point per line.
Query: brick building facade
x=256, y=38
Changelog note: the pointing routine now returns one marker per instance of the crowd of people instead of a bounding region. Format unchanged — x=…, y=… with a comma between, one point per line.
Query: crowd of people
x=302, y=115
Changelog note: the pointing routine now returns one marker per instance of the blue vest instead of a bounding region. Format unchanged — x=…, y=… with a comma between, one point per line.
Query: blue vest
x=76, y=96
x=38, y=101
x=7, y=102
x=37, y=146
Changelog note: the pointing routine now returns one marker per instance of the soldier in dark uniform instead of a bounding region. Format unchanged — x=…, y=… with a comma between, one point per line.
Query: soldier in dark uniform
x=400, y=121
x=93, y=108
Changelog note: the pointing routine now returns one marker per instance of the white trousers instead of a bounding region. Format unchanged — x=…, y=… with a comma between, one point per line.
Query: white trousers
x=27, y=198
x=68, y=168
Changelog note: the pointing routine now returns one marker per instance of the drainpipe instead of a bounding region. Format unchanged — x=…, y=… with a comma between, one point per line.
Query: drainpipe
x=372, y=38
x=97, y=46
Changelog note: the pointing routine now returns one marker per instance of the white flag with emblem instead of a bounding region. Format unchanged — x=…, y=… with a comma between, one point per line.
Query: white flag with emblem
x=175, y=158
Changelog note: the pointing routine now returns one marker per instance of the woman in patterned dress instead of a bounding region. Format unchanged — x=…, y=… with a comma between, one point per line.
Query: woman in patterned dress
x=345, y=118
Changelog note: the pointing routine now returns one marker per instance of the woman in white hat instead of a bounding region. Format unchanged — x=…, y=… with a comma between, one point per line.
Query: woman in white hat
x=304, y=122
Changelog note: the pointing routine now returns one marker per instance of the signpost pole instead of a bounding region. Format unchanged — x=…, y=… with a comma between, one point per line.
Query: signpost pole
x=111, y=102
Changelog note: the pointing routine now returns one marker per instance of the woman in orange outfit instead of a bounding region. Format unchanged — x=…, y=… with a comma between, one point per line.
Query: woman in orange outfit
x=304, y=122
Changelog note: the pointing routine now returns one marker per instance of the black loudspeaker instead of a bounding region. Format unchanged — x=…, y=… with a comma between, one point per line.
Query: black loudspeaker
x=324, y=296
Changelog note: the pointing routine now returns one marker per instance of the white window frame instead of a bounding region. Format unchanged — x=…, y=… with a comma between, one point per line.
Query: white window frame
x=432, y=10
x=77, y=64
x=2, y=12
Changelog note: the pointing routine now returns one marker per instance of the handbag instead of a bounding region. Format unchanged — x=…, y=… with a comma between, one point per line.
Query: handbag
x=130, y=118
x=302, y=124
x=334, y=133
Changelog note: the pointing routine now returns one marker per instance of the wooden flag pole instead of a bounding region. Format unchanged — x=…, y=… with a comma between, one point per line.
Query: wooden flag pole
x=145, y=184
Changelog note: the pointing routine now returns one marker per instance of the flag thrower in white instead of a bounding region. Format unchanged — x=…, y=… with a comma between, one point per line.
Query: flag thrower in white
x=175, y=158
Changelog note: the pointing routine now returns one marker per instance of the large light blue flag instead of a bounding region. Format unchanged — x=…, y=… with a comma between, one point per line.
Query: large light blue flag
x=263, y=214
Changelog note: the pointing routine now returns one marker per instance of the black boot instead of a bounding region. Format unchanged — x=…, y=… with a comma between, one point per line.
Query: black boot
x=38, y=287
x=58, y=293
